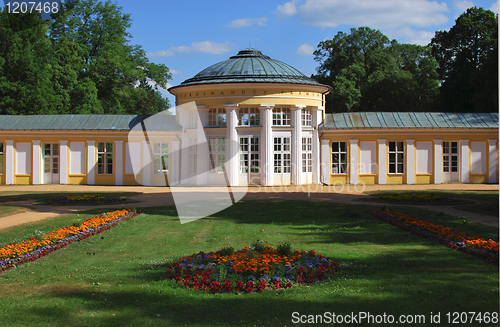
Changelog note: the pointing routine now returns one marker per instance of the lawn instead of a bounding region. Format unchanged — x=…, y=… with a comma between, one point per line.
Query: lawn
x=461, y=200
x=40, y=196
x=118, y=277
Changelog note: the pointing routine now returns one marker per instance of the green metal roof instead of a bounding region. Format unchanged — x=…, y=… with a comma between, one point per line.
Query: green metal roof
x=88, y=122
x=249, y=66
x=363, y=120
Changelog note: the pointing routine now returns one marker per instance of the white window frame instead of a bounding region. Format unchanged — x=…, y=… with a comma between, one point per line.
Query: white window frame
x=1, y=158
x=217, y=117
x=399, y=157
x=281, y=117
x=217, y=155
x=339, y=167
x=282, y=155
x=306, y=118
x=193, y=118
x=249, y=155
x=249, y=117
x=307, y=154
x=161, y=163
x=105, y=167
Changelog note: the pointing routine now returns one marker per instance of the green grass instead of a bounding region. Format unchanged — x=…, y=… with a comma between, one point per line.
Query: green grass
x=118, y=277
x=10, y=196
x=10, y=210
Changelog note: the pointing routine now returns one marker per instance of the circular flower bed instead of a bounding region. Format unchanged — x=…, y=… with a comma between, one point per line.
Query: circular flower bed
x=83, y=199
x=250, y=269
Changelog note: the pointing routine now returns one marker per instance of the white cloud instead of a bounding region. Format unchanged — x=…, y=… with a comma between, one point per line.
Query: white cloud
x=175, y=72
x=407, y=34
x=196, y=47
x=243, y=22
x=305, y=50
x=288, y=9
x=494, y=7
x=378, y=14
x=462, y=5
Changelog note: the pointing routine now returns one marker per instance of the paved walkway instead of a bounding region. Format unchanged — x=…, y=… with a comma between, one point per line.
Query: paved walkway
x=162, y=196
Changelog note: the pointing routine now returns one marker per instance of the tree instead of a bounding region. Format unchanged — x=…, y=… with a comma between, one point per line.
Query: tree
x=468, y=62
x=25, y=69
x=107, y=62
x=368, y=72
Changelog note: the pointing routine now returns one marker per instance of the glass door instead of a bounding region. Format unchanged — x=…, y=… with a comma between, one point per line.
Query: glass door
x=51, y=163
x=450, y=162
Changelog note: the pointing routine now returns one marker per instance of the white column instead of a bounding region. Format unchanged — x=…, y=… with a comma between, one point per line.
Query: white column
x=91, y=162
x=175, y=153
x=325, y=161
x=9, y=162
x=464, y=164
x=203, y=114
x=438, y=161
x=119, y=163
x=63, y=162
x=232, y=144
x=492, y=144
x=410, y=161
x=184, y=168
x=146, y=163
x=316, y=172
x=267, y=145
x=382, y=161
x=37, y=163
x=353, y=164
x=296, y=145
x=201, y=154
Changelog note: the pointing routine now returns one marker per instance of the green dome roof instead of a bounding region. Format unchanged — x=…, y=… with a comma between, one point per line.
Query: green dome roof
x=249, y=66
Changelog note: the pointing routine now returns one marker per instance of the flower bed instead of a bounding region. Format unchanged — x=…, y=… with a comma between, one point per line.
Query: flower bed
x=414, y=198
x=34, y=248
x=83, y=199
x=464, y=242
x=249, y=270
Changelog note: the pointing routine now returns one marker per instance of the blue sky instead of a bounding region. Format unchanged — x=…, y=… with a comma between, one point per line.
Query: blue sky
x=189, y=36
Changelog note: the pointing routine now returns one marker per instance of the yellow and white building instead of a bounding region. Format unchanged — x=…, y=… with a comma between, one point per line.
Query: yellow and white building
x=249, y=120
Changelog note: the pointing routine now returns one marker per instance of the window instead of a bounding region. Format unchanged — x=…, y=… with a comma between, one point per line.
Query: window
x=396, y=157
x=339, y=157
x=306, y=118
x=249, y=117
x=160, y=159
x=450, y=157
x=1, y=158
x=249, y=155
x=104, y=158
x=217, y=154
x=307, y=154
x=193, y=119
x=281, y=117
x=217, y=117
x=282, y=155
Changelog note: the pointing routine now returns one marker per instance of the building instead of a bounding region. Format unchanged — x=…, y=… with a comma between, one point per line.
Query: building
x=249, y=120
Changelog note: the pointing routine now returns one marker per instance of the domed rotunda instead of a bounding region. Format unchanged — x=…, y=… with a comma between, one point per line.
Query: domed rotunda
x=266, y=107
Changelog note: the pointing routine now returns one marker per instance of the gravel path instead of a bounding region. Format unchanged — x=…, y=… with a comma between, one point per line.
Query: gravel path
x=162, y=196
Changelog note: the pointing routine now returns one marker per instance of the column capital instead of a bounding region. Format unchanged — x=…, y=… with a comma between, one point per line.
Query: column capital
x=9, y=142
x=37, y=142
x=230, y=106
x=438, y=140
x=492, y=141
x=266, y=106
x=297, y=106
x=90, y=142
x=118, y=141
x=175, y=142
x=354, y=141
x=382, y=140
x=410, y=141
x=325, y=141
x=319, y=108
x=63, y=142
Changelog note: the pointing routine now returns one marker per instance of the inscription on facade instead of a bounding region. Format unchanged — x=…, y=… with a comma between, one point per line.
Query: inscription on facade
x=248, y=93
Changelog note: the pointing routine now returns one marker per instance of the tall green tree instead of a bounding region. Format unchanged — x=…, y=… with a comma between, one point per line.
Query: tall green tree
x=25, y=68
x=468, y=62
x=369, y=72
x=109, y=68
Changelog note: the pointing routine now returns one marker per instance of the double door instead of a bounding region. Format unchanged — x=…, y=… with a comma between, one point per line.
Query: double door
x=51, y=163
x=451, y=172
